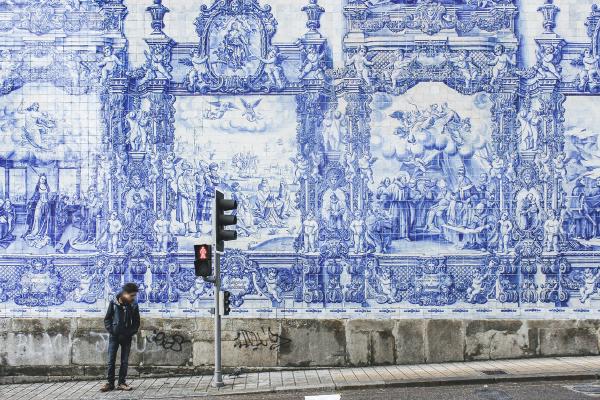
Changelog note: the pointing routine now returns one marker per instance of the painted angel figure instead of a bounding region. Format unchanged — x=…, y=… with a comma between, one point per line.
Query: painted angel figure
x=548, y=67
x=198, y=291
x=218, y=109
x=385, y=283
x=169, y=171
x=36, y=125
x=501, y=63
x=120, y=166
x=312, y=68
x=477, y=287
x=155, y=166
x=109, y=63
x=589, y=286
x=365, y=164
x=468, y=69
x=399, y=66
x=498, y=167
x=273, y=69
x=560, y=166
x=198, y=67
x=543, y=161
x=157, y=65
x=591, y=70
x=270, y=288
x=406, y=123
x=361, y=64
x=250, y=110
x=301, y=168
x=350, y=162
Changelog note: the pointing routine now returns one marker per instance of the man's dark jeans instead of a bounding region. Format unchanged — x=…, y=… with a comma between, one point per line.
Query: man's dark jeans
x=114, y=342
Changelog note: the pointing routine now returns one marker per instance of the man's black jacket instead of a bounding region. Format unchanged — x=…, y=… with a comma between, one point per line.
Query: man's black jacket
x=122, y=320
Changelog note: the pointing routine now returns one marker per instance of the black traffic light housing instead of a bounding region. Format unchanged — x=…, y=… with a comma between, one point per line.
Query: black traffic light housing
x=203, y=260
x=226, y=302
x=221, y=220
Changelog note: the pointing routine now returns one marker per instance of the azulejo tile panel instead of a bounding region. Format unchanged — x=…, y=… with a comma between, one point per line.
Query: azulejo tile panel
x=432, y=171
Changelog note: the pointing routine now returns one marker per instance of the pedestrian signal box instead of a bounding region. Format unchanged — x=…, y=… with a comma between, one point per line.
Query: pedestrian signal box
x=225, y=302
x=203, y=259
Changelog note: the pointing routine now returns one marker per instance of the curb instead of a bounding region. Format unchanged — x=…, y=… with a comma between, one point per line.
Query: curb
x=490, y=380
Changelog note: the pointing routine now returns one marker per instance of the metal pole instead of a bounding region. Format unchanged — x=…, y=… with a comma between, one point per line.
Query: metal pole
x=218, y=378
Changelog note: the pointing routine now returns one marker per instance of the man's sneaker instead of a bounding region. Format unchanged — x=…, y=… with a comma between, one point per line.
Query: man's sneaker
x=107, y=387
x=124, y=386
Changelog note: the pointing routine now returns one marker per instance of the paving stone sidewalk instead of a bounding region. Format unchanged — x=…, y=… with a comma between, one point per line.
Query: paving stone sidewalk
x=318, y=379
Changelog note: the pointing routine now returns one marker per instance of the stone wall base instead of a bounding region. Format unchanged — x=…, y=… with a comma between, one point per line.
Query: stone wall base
x=77, y=346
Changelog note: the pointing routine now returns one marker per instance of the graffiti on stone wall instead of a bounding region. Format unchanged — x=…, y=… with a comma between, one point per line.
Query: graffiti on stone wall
x=263, y=338
x=157, y=341
x=173, y=341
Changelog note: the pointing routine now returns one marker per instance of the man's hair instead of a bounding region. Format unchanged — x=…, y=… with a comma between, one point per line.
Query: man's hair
x=130, y=288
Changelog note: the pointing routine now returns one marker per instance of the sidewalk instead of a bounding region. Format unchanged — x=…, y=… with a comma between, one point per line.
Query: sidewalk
x=320, y=379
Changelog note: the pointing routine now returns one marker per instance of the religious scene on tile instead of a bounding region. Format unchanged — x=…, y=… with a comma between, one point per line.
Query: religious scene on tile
x=388, y=157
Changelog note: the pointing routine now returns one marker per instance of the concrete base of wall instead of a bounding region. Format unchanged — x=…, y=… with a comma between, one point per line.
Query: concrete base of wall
x=77, y=347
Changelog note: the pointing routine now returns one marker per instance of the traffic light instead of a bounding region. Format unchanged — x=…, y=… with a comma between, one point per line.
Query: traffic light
x=225, y=302
x=203, y=259
x=221, y=221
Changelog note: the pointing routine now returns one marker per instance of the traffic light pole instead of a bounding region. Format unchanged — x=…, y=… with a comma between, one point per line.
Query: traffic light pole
x=218, y=377
x=220, y=236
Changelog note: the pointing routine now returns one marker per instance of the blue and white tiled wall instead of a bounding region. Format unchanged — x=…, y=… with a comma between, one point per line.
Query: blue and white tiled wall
x=391, y=158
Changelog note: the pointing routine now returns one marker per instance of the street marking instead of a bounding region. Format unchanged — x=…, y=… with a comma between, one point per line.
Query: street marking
x=324, y=397
x=586, y=389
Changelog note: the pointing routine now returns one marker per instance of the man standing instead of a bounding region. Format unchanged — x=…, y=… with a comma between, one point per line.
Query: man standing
x=122, y=321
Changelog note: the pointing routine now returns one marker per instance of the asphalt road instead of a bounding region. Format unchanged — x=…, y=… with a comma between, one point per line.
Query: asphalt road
x=509, y=391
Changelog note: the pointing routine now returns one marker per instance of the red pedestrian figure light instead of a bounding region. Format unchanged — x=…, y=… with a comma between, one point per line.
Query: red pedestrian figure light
x=203, y=253
x=203, y=260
